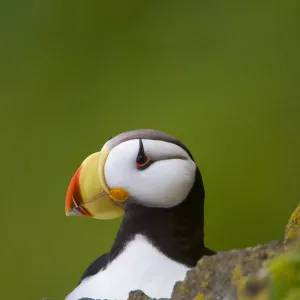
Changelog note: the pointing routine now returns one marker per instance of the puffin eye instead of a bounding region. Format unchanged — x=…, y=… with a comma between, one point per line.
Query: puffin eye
x=142, y=160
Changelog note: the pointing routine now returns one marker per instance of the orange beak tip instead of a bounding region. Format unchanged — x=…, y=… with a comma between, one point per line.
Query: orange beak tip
x=74, y=202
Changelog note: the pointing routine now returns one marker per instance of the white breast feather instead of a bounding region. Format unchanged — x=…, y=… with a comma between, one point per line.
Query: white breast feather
x=139, y=267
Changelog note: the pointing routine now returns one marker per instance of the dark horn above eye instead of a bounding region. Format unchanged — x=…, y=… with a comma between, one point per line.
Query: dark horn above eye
x=142, y=160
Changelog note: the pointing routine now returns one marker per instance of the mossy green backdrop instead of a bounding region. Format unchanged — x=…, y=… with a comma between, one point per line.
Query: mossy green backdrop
x=222, y=76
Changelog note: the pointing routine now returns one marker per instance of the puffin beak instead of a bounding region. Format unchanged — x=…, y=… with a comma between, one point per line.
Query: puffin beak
x=88, y=194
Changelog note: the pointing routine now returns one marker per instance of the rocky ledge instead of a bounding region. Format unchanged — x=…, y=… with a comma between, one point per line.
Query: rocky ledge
x=268, y=271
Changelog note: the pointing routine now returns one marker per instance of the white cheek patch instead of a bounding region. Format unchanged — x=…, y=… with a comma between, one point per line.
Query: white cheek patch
x=165, y=183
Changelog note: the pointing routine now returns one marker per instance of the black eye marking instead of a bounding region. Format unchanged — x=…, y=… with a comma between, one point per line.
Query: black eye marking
x=142, y=160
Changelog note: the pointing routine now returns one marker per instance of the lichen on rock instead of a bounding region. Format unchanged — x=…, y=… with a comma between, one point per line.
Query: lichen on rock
x=293, y=226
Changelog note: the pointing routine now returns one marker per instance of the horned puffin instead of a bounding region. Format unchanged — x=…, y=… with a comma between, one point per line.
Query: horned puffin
x=151, y=179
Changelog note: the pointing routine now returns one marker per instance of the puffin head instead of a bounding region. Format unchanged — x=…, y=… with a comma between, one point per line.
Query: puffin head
x=145, y=167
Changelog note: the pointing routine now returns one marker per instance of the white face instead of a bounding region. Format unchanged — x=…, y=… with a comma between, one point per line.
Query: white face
x=165, y=183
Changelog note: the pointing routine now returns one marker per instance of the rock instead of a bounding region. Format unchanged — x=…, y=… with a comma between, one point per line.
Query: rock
x=138, y=295
x=218, y=277
x=269, y=271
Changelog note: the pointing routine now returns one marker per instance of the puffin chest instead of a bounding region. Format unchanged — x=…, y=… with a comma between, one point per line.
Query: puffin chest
x=140, y=266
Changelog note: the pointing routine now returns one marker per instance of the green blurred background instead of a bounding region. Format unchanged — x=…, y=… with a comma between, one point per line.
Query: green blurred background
x=222, y=76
